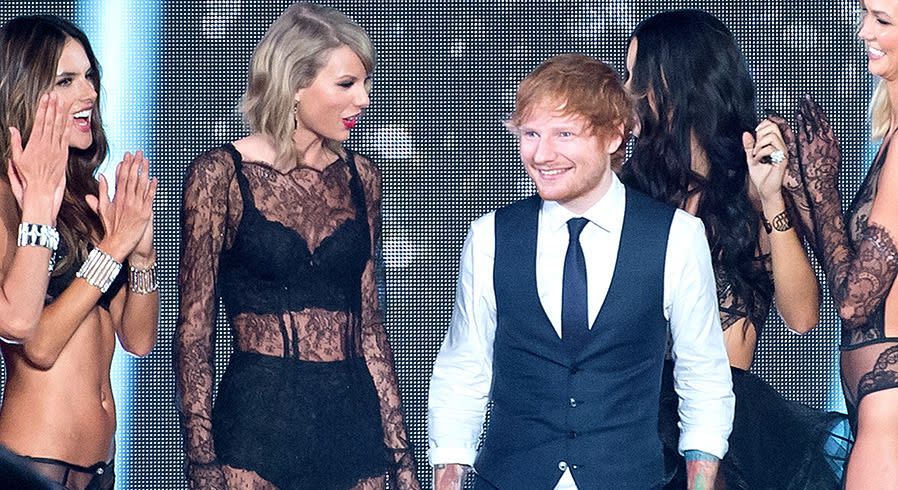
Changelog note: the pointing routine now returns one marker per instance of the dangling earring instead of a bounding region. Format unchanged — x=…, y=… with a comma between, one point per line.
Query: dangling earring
x=295, y=111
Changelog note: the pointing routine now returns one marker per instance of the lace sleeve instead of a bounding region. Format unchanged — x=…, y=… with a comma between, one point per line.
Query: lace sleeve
x=203, y=219
x=860, y=275
x=376, y=347
x=798, y=204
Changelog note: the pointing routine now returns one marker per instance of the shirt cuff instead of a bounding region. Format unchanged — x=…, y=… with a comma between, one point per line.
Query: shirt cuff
x=451, y=455
x=712, y=444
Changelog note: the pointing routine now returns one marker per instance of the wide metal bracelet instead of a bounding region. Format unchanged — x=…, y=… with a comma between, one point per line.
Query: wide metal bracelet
x=781, y=222
x=99, y=270
x=35, y=235
x=142, y=281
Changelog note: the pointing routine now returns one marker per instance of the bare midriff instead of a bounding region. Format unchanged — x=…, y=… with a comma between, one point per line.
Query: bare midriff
x=66, y=412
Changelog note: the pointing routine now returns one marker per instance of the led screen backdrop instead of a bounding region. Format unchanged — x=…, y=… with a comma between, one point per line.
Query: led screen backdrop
x=447, y=71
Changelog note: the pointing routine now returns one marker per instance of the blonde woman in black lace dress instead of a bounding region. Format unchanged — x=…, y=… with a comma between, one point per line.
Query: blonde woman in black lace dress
x=284, y=224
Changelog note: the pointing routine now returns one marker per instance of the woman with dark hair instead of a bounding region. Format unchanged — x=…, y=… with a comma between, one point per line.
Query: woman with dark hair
x=285, y=224
x=58, y=410
x=699, y=148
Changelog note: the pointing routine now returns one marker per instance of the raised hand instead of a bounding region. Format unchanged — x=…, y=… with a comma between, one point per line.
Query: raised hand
x=128, y=218
x=819, y=150
x=766, y=177
x=37, y=171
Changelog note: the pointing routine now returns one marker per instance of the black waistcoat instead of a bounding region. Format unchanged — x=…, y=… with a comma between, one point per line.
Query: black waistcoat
x=595, y=413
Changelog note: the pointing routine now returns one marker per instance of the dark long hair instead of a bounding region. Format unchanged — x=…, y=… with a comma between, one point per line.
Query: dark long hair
x=30, y=48
x=692, y=83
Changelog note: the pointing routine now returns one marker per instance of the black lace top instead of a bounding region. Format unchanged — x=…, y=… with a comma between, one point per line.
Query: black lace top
x=271, y=269
x=279, y=287
x=734, y=308
x=858, y=331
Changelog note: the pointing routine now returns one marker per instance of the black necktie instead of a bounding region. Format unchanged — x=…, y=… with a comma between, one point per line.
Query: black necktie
x=574, y=309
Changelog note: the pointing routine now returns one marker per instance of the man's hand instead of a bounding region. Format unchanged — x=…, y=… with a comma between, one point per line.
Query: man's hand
x=701, y=470
x=449, y=476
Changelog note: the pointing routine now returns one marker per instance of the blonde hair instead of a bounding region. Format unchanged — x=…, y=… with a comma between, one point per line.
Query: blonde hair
x=288, y=58
x=880, y=111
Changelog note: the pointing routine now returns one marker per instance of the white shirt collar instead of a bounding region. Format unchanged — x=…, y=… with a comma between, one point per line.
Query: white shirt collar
x=607, y=213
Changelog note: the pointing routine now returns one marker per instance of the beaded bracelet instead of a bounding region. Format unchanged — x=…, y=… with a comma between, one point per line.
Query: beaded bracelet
x=99, y=270
x=35, y=235
x=142, y=281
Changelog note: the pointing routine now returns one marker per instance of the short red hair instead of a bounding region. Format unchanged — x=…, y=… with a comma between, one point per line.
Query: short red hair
x=579, y=85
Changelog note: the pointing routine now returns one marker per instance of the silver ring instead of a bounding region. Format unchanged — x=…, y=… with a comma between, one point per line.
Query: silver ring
x=777, y=156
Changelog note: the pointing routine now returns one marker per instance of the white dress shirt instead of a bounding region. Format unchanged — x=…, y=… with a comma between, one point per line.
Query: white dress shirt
x=462, y=373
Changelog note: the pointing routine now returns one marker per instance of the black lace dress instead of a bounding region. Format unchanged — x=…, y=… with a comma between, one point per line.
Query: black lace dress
x=309, y=398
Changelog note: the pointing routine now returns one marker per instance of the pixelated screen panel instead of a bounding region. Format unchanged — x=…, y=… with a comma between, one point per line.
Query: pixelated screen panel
x=445, y=81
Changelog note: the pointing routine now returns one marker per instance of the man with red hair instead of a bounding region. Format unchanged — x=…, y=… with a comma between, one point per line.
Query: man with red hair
x=565, y=305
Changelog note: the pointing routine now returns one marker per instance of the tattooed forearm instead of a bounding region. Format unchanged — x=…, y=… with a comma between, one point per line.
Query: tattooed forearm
x=701, y=470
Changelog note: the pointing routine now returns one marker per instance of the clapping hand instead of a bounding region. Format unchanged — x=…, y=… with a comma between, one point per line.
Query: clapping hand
x=37, y=171
x=128, y=217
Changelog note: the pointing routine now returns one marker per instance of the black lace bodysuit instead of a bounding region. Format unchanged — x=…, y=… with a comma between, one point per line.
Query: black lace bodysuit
x=860, y=260
x=869, y=357
x=292, y=256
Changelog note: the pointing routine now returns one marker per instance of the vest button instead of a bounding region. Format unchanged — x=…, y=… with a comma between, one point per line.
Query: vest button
x=562, y=465
x=572, y=435
x=573, y=403
x=574, y=370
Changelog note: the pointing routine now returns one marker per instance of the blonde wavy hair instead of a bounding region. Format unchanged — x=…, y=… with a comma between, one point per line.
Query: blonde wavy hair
x=880, y=111
x=288, y=58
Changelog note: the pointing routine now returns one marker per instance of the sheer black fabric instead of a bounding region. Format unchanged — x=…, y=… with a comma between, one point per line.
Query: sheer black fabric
x=734, y=308
x=100, y=476
x=16, y=472
x=775, y=443
x=343, y=445
x=860, y=259
x=292, y=254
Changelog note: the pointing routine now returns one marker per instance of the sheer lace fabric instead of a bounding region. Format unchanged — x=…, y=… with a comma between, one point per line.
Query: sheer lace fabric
x=860, y=260
x=314, y=205
x=734, y=308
